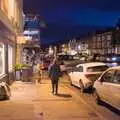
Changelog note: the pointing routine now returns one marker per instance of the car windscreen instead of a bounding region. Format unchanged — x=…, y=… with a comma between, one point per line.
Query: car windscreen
x=97, y=68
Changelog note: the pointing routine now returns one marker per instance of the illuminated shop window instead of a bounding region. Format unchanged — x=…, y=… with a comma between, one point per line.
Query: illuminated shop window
x=2, y=59
x=4, y=6
x=10, y=58
x=11, y=9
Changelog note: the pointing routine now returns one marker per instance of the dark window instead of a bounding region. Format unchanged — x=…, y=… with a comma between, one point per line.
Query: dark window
x=117, y=77
x=97, y=68
x=108, y=76
x=80, y=69
x=76, y=69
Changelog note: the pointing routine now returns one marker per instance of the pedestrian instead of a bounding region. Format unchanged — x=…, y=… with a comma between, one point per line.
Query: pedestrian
x=39, y=72
x=54, y=74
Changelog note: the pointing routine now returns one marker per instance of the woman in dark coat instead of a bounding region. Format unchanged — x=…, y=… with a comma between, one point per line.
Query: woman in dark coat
x=54, y=74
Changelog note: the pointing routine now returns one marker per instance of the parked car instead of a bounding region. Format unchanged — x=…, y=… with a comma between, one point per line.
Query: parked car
x=70, y=66
x=112, y=60
x=84, y=75
x=107, y=87
x=66, y=60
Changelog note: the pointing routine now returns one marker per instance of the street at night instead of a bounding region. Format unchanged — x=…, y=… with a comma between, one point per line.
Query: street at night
x=30, y=101
x=59, y=60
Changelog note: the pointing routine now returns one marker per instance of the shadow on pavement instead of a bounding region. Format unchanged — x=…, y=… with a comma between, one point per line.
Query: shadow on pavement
x=111, y=108
x=64, y=95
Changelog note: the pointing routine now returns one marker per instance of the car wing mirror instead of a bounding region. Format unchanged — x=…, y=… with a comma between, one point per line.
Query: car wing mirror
x=101, y=79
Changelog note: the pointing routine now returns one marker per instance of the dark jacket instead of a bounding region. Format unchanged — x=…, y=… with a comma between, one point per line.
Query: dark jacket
x=54, y=72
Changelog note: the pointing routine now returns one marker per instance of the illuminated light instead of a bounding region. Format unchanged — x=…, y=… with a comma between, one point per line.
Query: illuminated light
x=114, y=58
x=108, y=59
x=73, y=52
x=27, y=32
x=79, y=47
x=21, y=39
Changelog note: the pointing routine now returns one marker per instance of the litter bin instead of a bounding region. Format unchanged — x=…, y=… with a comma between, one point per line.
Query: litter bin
x=18, y=74
x=26, y=74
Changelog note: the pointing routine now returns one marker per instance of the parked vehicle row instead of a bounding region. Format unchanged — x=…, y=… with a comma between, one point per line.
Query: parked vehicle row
x=83, y=75
x=101, y=78
x=107, y=87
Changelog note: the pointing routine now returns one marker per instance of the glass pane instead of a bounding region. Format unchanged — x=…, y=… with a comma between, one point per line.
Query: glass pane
x=108, y=76
x=97, y=68
x=2, y=69
x=10, y=58
x=117, y=77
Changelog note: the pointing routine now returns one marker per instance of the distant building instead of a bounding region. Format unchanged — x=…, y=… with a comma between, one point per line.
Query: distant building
x=82, y=45
x=105, y=42
x=32, y=36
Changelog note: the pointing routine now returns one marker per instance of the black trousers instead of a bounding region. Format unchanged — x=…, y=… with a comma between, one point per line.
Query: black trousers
x=55, y=87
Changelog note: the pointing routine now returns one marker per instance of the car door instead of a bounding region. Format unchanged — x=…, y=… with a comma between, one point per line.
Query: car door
x=71, y=75
x=104, y=85
x=77, y=74
x=115, y=89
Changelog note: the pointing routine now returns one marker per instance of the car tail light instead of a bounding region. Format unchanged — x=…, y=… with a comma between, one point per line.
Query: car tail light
x=89, y=75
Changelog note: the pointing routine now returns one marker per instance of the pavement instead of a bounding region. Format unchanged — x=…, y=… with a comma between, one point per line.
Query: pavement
x=34, y=101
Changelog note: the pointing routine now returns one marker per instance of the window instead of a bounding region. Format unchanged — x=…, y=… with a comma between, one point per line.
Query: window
x=4, y=6
x=97, y=68
x=108, y=76
x=2, y=59
x=80, y=68
x=10, y=58
x=108, y=37
x=11, y=4
x=117, y=77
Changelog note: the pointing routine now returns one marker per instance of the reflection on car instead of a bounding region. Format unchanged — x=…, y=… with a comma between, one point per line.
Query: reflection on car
x=83, y=75
x=107, y=87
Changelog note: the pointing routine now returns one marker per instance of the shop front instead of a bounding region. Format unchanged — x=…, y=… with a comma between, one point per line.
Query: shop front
x=7, y=56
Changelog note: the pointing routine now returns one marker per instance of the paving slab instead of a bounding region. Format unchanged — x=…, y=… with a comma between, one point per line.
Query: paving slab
x=35, y=102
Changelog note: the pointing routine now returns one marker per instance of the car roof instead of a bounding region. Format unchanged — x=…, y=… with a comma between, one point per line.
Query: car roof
x=92, y=64
x=117, y=67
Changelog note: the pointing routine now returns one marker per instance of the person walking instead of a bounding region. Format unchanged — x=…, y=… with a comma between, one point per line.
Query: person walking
x=39, y=68
x=54, y=74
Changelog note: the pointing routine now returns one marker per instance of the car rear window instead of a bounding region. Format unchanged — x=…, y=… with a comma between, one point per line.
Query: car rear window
x=97, y=68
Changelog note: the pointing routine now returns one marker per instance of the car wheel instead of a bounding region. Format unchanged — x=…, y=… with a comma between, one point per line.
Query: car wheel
x=96, y=97
x=81, y=86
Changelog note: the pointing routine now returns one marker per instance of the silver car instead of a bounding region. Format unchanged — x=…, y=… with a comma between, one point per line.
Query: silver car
x=107, y=87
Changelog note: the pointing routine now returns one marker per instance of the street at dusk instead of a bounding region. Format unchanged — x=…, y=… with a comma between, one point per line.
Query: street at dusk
x=59, y=60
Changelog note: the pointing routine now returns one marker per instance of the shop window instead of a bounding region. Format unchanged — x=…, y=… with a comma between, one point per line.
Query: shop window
x=10, y=58
x=4, y=6
x=2, y=59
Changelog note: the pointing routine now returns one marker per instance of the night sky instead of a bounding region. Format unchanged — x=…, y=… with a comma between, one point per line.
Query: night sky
x=66, y=19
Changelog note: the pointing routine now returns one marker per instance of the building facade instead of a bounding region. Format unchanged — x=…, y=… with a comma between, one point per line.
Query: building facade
x=105, y=42
x=11, y=26
x=30, y=49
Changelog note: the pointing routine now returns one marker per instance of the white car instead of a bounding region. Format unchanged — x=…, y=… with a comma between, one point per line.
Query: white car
x=107, y=87
x=83, y=75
